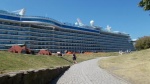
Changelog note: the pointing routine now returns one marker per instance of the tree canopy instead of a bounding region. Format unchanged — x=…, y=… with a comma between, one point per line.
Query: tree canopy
x=145, y=4
x=143, y=43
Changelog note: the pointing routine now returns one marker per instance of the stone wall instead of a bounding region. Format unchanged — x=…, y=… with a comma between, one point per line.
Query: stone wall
x=41, y=76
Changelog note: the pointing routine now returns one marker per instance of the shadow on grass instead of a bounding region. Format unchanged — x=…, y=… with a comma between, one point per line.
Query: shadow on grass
x=67, y=60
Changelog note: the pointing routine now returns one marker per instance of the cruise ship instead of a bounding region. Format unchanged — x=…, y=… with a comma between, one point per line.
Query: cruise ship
x=38, y=33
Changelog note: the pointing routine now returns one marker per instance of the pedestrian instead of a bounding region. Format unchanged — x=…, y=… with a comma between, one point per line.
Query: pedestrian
x=74, y=58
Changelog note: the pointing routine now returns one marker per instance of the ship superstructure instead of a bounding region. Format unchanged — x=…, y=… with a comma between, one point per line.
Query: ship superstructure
x=46, y=33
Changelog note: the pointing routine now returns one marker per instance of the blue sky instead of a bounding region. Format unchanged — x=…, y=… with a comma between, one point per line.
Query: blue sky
x=121, y=15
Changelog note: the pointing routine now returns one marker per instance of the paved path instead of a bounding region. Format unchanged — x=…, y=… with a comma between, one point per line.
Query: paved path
x=88, y=72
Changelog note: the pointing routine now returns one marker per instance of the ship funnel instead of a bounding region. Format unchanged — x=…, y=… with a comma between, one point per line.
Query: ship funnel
x=20, y=12
x=92, y=22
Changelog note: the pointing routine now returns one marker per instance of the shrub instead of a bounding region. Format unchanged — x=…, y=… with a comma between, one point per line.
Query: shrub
x=143, y=43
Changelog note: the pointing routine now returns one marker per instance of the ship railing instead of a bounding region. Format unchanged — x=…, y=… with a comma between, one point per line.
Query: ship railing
x=114, y=32
x=84, y=26
x=42, y=17
x=5, y=12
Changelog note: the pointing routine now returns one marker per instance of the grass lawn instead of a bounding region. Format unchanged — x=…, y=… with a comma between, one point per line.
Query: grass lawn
x=10, y=62
x=133, y=67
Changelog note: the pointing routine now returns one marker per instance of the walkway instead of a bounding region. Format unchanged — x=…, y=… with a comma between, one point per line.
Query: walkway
x=88, y=72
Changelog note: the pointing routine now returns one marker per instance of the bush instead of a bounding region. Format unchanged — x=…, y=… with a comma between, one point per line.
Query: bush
x=143, y=43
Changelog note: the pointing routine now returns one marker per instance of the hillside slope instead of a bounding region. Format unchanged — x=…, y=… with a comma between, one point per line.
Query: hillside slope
x=134, y=67
x=10, y=62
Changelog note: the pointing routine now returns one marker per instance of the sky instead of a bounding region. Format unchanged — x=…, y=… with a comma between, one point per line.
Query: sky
x=121, y=15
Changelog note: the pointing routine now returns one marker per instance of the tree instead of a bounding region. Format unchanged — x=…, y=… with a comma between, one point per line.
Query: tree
x=145, y=4
x=143, y=43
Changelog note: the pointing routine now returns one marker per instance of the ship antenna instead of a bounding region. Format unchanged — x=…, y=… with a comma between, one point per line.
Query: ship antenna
x=108, y=28
x=80, y=22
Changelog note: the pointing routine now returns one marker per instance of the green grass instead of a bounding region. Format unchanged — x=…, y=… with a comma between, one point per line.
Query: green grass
x=10, y=62
x=134, y=67
x=83, y=57
x=13, y=62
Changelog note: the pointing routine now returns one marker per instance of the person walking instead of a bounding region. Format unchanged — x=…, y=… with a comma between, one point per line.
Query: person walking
x=74, y=58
